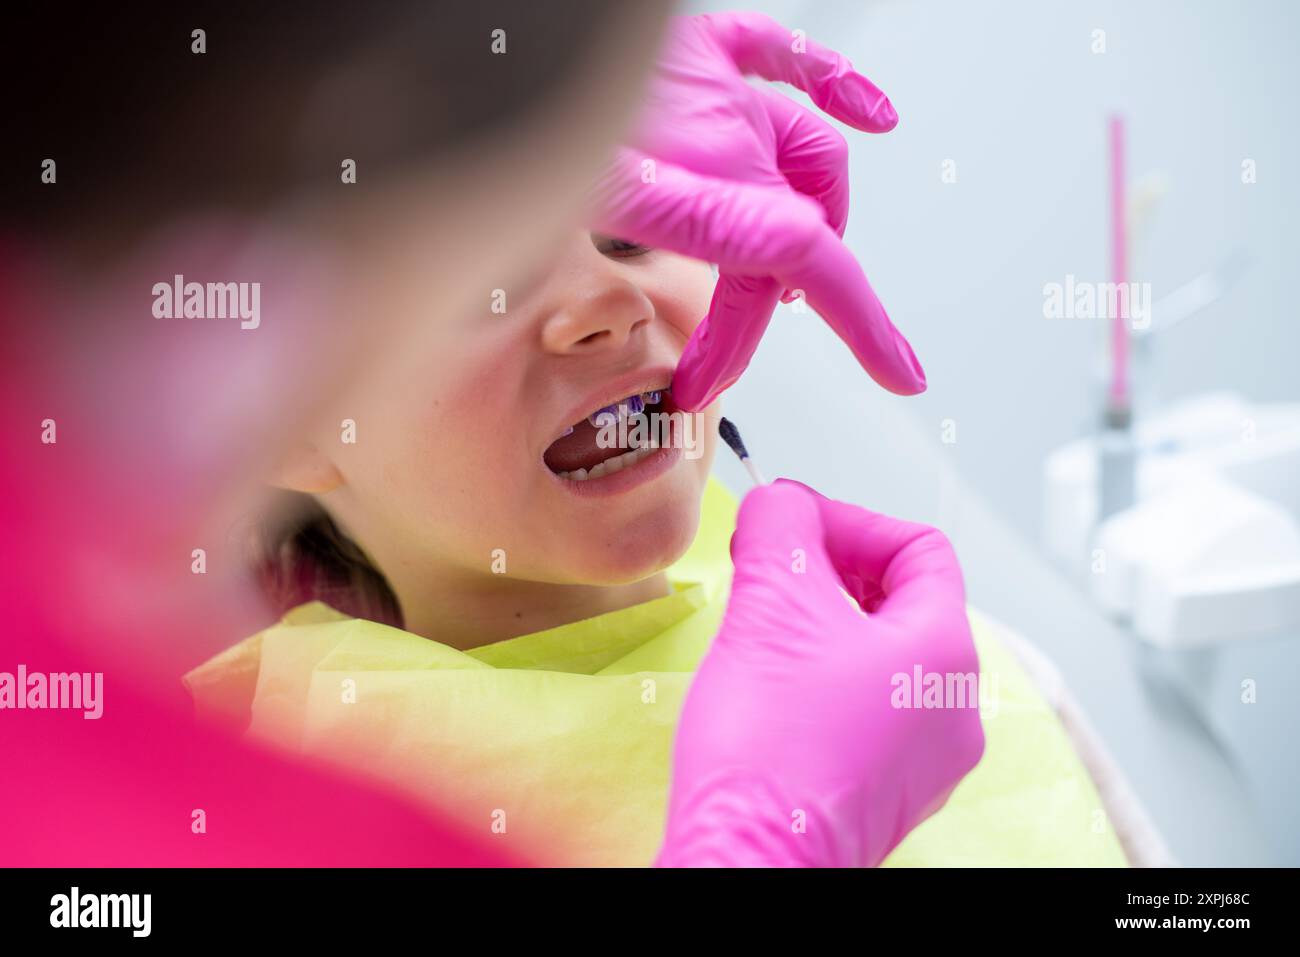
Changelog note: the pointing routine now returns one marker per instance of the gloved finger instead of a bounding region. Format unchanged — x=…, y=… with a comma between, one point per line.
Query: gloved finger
x=782, y=570
x=744, y=227
x=755, y=229
x=740, y=226
x=913, y=565
x=772, y=520
x=835, y=286
x=758, y=44
x=722, y=344
x=812, y=155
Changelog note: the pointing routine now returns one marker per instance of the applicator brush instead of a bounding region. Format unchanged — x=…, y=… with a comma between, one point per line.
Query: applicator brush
x=731, y=435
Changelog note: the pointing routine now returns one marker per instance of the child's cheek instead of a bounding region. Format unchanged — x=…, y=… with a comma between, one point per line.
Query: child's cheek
x=686, y=294
x=685, y=322
x=470, y=437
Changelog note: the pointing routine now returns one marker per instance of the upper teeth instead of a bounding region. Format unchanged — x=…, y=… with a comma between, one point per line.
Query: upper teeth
x=632, y=405
x=609, y=466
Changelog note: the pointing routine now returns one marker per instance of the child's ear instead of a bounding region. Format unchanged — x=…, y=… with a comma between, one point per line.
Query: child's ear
x=305, y=469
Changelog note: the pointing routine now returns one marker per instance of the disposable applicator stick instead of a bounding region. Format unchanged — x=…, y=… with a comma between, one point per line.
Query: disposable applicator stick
x=731, y=435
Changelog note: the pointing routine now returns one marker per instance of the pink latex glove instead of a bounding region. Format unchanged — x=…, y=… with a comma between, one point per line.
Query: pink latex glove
x=747, y=178
x=792, y=707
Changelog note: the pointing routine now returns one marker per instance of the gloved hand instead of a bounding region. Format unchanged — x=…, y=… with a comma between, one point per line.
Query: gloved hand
x=793, y=708
x=750, y=180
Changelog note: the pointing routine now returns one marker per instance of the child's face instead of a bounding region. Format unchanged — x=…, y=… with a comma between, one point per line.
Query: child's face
x=458, y=465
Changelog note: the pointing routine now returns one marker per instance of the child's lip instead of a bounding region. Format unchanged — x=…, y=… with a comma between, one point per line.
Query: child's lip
x=651, y=379
x=647, y=470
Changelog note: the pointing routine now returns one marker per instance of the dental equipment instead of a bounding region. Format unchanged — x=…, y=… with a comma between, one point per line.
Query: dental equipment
x=731, y=435
x=1118, y=459
x=1185, y=524
x=1198, y=294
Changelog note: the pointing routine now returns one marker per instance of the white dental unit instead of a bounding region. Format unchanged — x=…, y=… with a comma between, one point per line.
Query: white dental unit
x=1181, y=521
x=1209, y=551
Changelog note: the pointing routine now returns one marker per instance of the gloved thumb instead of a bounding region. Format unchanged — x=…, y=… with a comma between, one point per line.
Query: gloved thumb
x=782, y=573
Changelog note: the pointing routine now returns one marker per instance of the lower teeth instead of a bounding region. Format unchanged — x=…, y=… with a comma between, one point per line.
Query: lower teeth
x=610, y=466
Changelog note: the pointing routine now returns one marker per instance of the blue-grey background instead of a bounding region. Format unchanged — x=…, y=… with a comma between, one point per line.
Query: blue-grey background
x=1013, y=94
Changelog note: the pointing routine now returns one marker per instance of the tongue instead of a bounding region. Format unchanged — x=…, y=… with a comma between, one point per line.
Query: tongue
x=578, y=450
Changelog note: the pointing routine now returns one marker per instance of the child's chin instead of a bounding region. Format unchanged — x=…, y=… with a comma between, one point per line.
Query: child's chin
x=619, y=552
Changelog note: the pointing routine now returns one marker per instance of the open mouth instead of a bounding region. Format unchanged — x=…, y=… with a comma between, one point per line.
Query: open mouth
x=613, y=438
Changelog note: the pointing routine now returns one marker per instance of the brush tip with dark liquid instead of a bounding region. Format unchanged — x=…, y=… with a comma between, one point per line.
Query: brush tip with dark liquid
x=731, y=435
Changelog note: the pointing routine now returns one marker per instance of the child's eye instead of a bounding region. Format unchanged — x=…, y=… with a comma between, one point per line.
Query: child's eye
x=619, y=248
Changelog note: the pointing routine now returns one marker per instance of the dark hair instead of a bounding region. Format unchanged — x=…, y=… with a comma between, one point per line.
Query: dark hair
x=143, y=128
x=301, y=555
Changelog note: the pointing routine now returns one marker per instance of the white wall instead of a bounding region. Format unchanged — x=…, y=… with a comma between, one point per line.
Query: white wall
x=1012, y=92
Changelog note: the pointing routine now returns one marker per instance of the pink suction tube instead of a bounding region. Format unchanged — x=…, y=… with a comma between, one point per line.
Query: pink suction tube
x=1118, y=397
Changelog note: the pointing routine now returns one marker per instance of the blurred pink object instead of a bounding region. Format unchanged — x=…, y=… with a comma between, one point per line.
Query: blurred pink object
x=91, y=521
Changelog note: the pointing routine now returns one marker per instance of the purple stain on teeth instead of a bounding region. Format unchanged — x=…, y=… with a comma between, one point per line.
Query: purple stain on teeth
x=568, y=431
x=594, y=418
x=632, y=405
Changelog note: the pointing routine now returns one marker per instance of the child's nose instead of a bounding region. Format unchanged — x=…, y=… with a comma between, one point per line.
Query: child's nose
x=605, y=320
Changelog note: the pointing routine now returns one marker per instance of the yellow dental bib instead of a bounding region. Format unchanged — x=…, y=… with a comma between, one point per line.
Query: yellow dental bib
x=559, y=742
